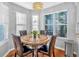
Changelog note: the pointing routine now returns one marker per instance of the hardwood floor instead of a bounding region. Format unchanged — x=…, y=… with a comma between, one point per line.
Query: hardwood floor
x=58, y=53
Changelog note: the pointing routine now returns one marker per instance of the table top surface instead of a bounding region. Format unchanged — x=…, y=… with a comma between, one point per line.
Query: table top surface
x=28, y=39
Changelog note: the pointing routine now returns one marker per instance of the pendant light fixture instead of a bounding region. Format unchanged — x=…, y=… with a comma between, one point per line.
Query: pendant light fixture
x=37, y=6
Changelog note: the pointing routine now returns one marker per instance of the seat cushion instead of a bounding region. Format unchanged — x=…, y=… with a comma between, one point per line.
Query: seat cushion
x=43, y=48
x=26, y=49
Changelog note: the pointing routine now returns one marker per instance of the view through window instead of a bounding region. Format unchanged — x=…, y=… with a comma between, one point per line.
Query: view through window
x=56, y=23
x=35, y=22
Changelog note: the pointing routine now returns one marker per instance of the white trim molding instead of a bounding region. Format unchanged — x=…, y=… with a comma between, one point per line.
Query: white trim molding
x=60, y=48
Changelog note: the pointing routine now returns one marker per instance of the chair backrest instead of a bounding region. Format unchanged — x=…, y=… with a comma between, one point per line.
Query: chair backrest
x=18, y=45
x=23, y=32
x=42, y=32
x=52, y=45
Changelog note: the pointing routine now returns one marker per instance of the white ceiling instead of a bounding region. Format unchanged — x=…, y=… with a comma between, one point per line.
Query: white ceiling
x=29, y=4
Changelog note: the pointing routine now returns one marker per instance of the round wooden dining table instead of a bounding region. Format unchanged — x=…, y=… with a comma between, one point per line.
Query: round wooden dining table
x=34, y=43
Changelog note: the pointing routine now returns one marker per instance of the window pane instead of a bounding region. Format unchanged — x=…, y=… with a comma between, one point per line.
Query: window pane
x=35, y=22
x=62, y=30
x=49, y=29
x=49, y=19
x=20, y=18
x=49, y=24
x=1, y=32
x=56, y=23
x=4, y=21
x=62, y=17
x=6, y=31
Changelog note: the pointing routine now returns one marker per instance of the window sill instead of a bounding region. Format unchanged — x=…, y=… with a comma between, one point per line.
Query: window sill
x=62, y=38
x=3, y=42
x=65, y=38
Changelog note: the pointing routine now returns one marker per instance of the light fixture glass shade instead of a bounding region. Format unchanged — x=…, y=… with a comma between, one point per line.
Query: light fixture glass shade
x=37, y=6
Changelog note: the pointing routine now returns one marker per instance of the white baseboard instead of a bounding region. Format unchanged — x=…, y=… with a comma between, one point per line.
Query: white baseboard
x=60, y=48
x=7, y=52
x=64, y=50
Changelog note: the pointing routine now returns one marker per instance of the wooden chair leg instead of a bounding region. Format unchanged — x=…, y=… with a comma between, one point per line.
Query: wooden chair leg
x=37, y=53
x=15, y=54
x=33, y=54
x=53, y=54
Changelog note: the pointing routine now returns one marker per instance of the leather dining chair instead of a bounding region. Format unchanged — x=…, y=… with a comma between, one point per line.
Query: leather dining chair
x=19, y=48
x=23, y=32
x=50, y=51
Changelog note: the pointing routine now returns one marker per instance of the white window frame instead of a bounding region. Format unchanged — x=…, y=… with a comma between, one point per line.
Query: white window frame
x=57, y=24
